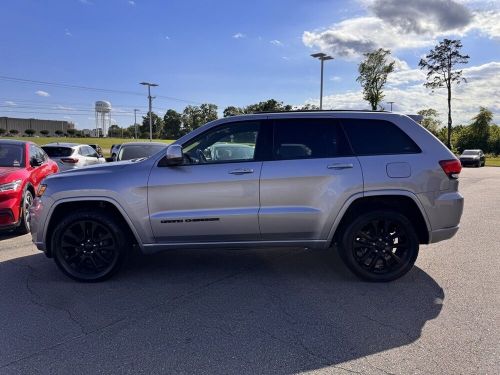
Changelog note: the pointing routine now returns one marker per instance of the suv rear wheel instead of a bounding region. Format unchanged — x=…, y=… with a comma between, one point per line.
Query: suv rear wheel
x=88, y=245
x=379, y=246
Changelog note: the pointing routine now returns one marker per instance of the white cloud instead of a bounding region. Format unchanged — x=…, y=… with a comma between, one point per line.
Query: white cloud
x=239, y=36
x=482, y=89
x=335, y=78
x=397, y=27
x=285, y=58
x=61, y=107
x=86, y=2
x=42, y=93
x=131, y=2
x=167, y=37
x=276, y=42
x=67, y=32
x=10, y=103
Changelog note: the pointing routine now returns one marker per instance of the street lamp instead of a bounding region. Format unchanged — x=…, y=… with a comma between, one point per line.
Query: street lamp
x=150, y=98
x=322, y=57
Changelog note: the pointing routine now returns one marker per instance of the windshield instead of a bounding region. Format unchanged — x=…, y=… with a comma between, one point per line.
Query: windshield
x=470, y=152
x=57, y=152
x=11, y=155
x=138, y=151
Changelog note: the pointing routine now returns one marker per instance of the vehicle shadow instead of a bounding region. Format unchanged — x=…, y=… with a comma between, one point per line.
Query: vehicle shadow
x=279, y=311
x=7, y=235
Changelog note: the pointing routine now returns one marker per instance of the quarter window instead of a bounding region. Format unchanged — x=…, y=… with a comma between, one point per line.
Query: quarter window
x=378, y=137
x=308, y=139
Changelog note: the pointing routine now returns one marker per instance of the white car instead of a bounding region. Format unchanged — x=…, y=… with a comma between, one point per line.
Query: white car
x=72, y=155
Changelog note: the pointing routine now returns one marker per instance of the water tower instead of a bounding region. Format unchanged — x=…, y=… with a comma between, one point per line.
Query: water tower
x=102, y=117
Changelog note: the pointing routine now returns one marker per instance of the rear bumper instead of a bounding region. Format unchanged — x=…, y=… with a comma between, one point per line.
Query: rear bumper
x=444, y=210
x=442, y=234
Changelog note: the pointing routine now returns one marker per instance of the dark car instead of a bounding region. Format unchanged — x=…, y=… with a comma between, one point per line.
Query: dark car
x=114, y=150
x=23, y=166
x=138, y=150
x=97, y=149
x=472, y=158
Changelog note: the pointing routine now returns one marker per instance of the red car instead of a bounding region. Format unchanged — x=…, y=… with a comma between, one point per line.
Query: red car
x=23, y=165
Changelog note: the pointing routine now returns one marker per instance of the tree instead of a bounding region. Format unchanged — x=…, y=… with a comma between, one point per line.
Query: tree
x=480, y=128
x=439, y=64
x=71, y=132
x=271, y=105
x=193, y=116
x=2, y=131
x=233, y=111
x=430, y=120
x=59, y=132
x=373, y=72
x=115, y=131
x=309, y=107
x=172, y=124
x=157, y=123
x=13, y=131
x=44, y=132
x=30, y=132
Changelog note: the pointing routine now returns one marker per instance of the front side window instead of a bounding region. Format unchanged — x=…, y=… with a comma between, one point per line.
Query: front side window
x=378, y=137
x=308, y=139
x=227, y=143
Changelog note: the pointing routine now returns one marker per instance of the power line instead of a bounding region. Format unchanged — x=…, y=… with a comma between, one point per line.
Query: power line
x=87, y=88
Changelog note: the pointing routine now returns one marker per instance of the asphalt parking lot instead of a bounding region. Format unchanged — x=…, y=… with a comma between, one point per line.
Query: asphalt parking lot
x=281, y=311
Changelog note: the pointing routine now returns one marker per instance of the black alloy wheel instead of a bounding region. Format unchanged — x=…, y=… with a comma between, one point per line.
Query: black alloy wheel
x=88, y=246
x=24, y=223
x=380, y=246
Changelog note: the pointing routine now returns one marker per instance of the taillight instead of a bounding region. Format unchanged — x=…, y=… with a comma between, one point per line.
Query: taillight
x=69, y=160
x=452, y=167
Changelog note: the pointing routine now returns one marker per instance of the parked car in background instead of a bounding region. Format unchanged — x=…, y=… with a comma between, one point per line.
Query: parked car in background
x=98, y=149
x=372, y=185
x=474, y=158
x=23, y=166
x=114, y=150
x=137, y=150
x=72, y=155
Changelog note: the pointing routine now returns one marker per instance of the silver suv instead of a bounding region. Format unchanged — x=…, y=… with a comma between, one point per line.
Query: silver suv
x=375, y=185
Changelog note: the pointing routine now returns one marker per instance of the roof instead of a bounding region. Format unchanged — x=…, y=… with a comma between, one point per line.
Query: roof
x=14, y=142
x=321, y=111
x=144, y=143
x=63, y=144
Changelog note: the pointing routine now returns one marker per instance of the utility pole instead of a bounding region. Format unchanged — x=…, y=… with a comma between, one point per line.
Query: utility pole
x=135, y=122
x=150, y=98
x=391, y=103
x=322, y=57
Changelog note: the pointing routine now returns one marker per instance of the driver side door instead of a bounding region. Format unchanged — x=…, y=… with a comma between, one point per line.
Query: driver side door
x=214, y=195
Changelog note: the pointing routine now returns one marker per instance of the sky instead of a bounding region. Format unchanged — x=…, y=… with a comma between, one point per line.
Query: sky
x=58, y=57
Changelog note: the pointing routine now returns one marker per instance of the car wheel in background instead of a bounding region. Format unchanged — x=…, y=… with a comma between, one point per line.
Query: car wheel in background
x=379, y=246
x=88, y=245
x=27, y=202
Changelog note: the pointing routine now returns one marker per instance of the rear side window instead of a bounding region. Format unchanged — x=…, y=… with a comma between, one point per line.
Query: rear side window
x=58, y=152
x=308, y=139
x=378, y=137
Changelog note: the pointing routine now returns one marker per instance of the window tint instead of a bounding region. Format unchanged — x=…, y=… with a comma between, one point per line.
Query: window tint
x=226, y=143
x=129, y=152
x=378, y=137
x=11, y=155
x=308, y=139
x=57, y=152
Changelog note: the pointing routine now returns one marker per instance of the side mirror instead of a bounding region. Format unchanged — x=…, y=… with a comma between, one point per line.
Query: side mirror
x=174, y=155
x=34, y=162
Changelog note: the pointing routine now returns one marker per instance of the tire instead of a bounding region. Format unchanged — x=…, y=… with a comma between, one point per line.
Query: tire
x=24, y=221
x=88, y=245
x=379, y=246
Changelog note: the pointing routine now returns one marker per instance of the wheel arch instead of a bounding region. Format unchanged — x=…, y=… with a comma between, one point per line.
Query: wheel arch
x=400, y=201
x=99, y=203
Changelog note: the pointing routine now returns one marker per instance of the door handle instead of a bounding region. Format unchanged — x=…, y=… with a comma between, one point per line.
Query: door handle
x=241, y=171
x=340, y=166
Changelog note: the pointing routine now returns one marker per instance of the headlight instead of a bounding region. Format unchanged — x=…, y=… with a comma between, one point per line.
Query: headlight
x=11, y=186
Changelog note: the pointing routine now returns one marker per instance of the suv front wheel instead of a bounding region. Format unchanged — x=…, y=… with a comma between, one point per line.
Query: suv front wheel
x=88, y=245
x=379, y=245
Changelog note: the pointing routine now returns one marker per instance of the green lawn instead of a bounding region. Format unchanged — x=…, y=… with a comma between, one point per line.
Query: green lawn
x=105, y=143
x=493, y=161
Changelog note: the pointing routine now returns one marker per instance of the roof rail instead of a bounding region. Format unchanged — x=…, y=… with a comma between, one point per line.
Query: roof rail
x=322, y=110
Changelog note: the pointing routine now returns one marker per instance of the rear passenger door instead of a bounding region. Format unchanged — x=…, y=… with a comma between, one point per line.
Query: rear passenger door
x=309, y=177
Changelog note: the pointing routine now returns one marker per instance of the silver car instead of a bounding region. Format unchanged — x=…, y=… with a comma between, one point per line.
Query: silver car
x=72, y=155
x=374, y=185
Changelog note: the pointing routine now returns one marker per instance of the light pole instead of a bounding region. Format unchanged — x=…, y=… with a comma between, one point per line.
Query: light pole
x=322, y=57
x=391, y=103
x=150, y=108
x=135, y=122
